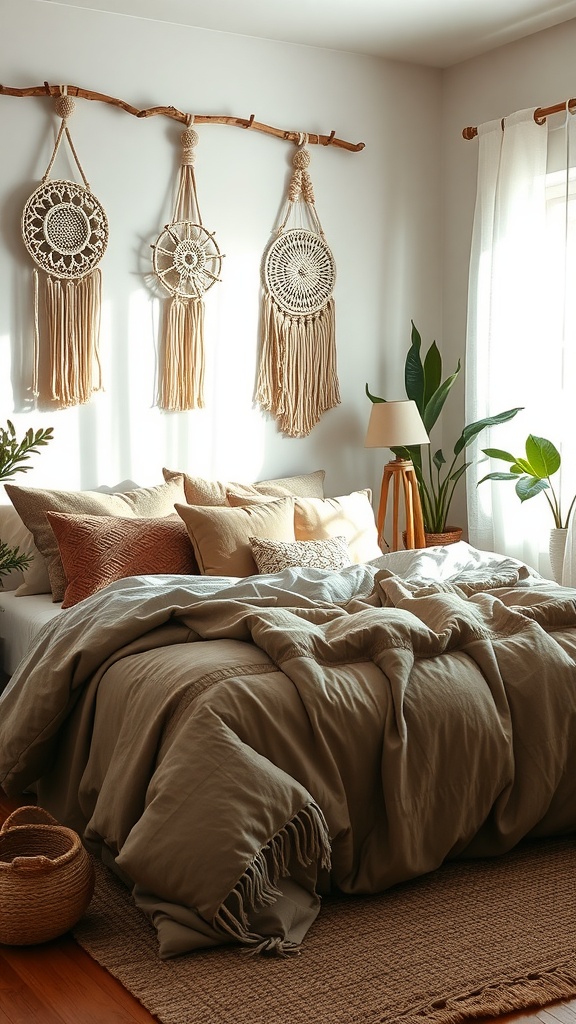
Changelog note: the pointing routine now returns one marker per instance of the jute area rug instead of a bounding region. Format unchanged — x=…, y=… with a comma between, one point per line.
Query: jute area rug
x=473, y=939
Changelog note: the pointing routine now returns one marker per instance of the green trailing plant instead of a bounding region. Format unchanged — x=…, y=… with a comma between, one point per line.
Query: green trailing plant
x=14, y=454
x=437, y=477
x=532, y=473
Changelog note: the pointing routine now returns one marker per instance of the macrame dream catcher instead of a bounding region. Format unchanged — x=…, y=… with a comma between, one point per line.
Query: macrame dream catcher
x=297, y=376
x=187, y=262
x=65, y=231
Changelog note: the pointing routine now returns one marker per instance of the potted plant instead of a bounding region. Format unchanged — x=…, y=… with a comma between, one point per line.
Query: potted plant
x=532, y=474
x=437, y=478
x=13, y=455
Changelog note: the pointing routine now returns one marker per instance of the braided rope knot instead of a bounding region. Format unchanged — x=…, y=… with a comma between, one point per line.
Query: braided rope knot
x=64, y=106
x=188, y=157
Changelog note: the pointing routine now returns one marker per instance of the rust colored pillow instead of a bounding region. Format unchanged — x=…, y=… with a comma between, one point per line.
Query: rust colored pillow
x=97, y=550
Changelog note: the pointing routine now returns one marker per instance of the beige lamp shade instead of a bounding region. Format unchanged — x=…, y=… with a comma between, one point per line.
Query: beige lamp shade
x=395, y=425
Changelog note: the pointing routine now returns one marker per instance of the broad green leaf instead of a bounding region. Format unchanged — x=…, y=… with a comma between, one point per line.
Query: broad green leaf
x=498, y=476
x=529, y=486
x=543, y=456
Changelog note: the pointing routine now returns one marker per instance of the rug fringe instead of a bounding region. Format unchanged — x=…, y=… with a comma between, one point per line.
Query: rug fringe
x=538, y=989
x=305, y=837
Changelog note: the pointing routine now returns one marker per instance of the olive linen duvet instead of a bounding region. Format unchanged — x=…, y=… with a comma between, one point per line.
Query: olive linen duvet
x=237, y=748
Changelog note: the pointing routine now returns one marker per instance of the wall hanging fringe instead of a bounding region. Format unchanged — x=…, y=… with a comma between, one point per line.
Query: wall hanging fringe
x=179, y=115
x=187, y=262
x=65, y=231
x=297, y=376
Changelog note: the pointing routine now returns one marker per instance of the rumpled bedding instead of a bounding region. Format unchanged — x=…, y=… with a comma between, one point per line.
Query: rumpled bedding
x=237, y=748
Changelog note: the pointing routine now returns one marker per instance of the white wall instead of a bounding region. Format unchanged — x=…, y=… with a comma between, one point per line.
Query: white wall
x=380, y=210
x=535, y=72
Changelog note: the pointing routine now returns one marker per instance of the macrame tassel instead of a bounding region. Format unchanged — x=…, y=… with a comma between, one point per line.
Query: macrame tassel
x=297, y=380
x=182, y=378
x=73, y=329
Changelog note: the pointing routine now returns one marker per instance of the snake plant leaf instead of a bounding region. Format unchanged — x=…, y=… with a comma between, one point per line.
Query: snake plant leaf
x=438, y=459
x=373, y=398
x=528, y=486
x=472, y=429
x=434, y=407
x=543, y=456
x=432, y=373
x=414, y=371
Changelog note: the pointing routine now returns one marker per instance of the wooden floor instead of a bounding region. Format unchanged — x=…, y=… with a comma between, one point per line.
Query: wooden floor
x=58, y=983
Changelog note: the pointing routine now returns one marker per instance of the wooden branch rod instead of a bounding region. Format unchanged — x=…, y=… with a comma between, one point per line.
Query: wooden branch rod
x=178, y=115
x=540, y=115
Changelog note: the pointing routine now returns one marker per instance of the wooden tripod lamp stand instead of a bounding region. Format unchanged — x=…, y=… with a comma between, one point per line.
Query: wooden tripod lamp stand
x=397, y=425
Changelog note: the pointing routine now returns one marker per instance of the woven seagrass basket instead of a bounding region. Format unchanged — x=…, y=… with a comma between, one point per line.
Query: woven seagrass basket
x=46, y=878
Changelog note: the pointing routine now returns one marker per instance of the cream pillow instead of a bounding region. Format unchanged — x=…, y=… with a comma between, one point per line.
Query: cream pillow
x=213, y=492
x=16, y=535
x=221, y=535
x=32, y=503
x=275, y=555
x=349, y=515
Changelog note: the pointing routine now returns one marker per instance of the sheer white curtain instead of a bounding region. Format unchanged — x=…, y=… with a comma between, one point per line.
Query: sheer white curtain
x=520, y=333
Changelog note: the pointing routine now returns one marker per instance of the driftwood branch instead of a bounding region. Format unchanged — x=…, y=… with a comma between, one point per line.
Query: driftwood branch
x=178, y=115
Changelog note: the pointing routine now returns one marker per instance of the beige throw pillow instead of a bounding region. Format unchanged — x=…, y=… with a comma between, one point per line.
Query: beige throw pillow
x=213, y=492
x=32, y=503
x=349, y=515
x=221, y=535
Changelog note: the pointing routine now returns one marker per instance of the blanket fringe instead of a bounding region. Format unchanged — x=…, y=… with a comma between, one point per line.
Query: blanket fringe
x=305, y=837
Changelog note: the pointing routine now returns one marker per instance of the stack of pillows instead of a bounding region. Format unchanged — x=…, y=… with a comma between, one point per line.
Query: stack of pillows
x=83, y=540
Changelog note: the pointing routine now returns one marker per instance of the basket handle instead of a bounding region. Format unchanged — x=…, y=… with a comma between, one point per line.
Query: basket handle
x=33, y=863
x=28, y=815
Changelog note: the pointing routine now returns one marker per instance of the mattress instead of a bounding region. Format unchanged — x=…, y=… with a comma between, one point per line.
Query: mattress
x=20, y=620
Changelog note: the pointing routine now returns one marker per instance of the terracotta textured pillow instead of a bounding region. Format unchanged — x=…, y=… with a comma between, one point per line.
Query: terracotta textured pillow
x=221, y=535
x=213, y=492
x=275, y=555
x=97, y=550
x=32, y=504
x=349, y=515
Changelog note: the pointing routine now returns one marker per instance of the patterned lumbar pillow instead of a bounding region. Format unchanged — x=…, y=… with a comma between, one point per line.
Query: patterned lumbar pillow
x=273, y=556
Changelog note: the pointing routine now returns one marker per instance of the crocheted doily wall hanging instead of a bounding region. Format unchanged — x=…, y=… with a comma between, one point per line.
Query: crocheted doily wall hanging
x=187, y=262
x=297, y=375
x=65, y=230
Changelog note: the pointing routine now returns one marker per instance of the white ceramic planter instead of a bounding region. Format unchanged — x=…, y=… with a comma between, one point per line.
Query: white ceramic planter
x=556, y=549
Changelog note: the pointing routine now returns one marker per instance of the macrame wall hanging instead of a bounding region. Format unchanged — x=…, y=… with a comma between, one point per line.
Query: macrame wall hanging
x=65, y=231
x=297, y=376
x=187, y=262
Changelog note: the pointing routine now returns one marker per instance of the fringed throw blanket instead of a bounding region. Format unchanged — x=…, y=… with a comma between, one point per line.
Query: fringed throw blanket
x=65, y=231
x=297, y=377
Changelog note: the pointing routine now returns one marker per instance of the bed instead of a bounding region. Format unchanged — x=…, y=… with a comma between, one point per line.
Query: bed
x=237, y=746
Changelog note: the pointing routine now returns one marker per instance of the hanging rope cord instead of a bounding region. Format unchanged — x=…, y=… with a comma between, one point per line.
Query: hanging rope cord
x=72, y=306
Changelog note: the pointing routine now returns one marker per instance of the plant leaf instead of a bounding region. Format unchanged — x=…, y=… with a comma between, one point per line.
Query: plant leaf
x=543, y=456
x=414, y=371
x=434, y=407
x=373, y=398
x=472, y=429
x=529, y=486
x=432, y=373
x=498, y=453
x=498, y=476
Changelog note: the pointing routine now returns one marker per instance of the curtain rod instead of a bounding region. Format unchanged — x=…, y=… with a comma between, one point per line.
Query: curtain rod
x=540, y=115
x=178, y=115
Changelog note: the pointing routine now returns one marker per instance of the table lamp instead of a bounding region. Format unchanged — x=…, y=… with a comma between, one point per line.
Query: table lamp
x=397, y=425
